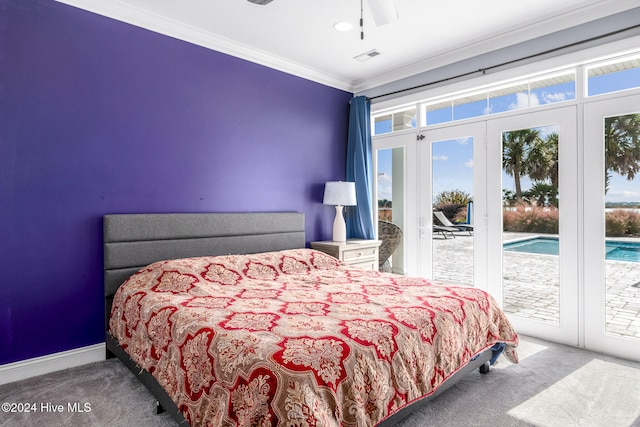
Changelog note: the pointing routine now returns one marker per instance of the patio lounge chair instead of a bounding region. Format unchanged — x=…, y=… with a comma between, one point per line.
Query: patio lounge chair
x=439, y=229
x=445, y=221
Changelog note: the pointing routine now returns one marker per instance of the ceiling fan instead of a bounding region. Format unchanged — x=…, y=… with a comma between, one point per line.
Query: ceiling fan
x=383, y=11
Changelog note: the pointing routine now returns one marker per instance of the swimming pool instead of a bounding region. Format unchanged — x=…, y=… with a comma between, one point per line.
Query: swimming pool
x=615, y=250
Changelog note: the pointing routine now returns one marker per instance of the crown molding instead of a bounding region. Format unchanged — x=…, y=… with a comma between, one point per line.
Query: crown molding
x=124, y=12
x=121, y=11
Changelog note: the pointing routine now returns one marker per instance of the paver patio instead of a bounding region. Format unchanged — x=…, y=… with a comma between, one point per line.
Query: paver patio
x=531, y=282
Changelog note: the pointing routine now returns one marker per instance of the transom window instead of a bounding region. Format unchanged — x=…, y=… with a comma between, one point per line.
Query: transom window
x=601, y=77
x=395, y=121
x=613, y=76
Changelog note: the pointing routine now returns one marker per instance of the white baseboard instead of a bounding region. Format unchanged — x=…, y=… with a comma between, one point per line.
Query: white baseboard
x=24, y=369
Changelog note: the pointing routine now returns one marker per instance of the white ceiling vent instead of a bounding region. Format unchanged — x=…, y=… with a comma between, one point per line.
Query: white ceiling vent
x=367, y=55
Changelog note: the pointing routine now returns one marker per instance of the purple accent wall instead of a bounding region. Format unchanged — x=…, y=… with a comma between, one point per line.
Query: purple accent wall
x=97, y=117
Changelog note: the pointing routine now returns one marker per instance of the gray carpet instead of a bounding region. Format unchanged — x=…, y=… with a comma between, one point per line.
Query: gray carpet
x=554, y=385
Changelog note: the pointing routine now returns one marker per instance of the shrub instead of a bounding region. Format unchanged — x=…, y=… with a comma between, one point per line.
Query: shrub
x=622, y=223
x=542, y=194
x=452, y=197
x=385, y=214
x=453, y=204
x=461, y=216
x=531, y=219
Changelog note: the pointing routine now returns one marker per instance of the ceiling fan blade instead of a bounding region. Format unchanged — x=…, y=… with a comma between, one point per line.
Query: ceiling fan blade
x=383, y=11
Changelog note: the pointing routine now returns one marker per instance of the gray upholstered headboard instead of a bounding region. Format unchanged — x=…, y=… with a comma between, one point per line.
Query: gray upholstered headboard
x=132, y=241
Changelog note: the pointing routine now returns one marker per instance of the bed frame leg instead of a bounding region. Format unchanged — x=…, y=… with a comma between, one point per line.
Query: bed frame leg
x=485, y=368
x=159, y=408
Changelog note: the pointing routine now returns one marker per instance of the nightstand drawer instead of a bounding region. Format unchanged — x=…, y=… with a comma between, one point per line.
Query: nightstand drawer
x=352, y=256
x=367, y=265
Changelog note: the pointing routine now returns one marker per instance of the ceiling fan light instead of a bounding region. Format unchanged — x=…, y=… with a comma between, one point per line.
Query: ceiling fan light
x=342, y=26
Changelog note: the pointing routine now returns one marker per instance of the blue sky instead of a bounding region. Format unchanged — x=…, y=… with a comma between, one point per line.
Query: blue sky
x=452, y=165
x=453, y=159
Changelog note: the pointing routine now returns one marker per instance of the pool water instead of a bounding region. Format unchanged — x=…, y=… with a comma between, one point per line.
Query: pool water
x=615, y=250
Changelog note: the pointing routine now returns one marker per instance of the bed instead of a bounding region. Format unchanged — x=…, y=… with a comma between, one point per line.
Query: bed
x=229, y=320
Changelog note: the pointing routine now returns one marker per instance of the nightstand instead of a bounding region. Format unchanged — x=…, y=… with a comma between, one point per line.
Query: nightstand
x=358, y=252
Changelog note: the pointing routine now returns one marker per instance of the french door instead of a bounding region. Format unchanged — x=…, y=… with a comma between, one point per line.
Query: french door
x=532, y=229
x=551, y=211
x=612, y=226
x=451, y=174
x=484, y=160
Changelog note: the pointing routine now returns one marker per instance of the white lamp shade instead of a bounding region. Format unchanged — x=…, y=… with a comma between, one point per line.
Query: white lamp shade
x=339, y=193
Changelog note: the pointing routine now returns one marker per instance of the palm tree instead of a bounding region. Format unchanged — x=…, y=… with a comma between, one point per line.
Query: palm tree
x=542, y=156
x=515, y=150
x=622, y=146
x=552, y=170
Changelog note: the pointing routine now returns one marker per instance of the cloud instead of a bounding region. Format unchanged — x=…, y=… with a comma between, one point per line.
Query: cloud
x=549, y=98
x=523, y=100
x=469, y=163
x=443, y=158
x=623, y=196
x=534, y=101
x=464, y=141
x=384, y=187
x=631, y=195
x=383, y=177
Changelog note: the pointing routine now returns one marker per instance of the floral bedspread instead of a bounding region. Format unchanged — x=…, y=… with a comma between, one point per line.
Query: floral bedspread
x=297, y=338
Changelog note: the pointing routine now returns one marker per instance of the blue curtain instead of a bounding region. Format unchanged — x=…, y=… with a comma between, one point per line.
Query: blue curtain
x=359, y=219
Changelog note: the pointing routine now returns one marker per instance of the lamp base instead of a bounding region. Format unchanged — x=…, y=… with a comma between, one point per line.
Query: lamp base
x=339, y=226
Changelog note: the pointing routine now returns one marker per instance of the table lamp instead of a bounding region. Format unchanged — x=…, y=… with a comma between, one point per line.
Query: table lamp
x=339, y=194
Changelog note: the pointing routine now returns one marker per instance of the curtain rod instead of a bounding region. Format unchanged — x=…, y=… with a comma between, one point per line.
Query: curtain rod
x=502, y=64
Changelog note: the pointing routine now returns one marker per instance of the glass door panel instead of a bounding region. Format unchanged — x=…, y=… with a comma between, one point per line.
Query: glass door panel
x=393, y=206
x=449, y=184
x=452, y=190
x=532, y=221
x=390, y=199
x=612, y=232
x=622, y=224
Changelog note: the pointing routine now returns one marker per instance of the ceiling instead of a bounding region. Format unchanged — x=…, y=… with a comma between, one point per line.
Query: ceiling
x=297, y=36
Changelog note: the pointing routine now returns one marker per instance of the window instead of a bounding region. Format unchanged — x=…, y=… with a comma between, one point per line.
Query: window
x=508, y=98
x=613, y=76
x=551, y=89
x=601, y=77
x=440, y=112
x=382, y=124
x=530, y=93
x=472, y=105
x=394, y=121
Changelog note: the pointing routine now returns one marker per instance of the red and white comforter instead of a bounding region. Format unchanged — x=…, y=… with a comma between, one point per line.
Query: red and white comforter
x=296, y=338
